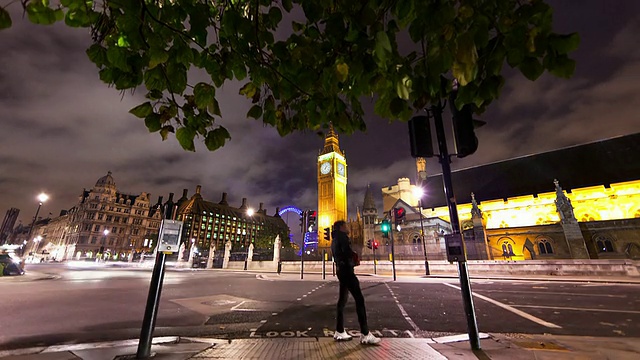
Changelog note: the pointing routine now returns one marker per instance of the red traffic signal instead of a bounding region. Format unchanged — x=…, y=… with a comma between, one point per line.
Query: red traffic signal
x=375, y=244
x=399, y=214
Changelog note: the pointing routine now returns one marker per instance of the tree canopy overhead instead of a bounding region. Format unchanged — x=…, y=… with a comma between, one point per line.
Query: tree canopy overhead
x=305, y=63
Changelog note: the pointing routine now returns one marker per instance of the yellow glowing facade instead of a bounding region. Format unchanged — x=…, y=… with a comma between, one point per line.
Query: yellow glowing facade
x=596, y=203
x=332, y=184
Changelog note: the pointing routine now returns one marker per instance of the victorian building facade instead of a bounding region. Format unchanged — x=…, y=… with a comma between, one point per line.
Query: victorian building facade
x=105, y=223
x=209, y=226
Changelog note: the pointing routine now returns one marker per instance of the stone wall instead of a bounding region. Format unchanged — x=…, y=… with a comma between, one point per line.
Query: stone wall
x=594, y=268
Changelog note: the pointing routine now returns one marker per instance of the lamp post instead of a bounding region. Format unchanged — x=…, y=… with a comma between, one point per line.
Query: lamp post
x=41, y=199
x=250, y=213
x=419, y=192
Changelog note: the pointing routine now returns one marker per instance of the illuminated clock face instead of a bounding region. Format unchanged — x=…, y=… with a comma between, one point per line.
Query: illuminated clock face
x=341, y=169
x=325, y=168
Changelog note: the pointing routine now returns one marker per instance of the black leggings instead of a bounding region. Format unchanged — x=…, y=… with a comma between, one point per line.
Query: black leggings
x=349, y=284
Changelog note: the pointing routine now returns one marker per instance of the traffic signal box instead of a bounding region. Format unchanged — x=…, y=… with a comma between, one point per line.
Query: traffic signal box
x=311, y=218
x=398, y=215
x=327, y=234
x=385, y=227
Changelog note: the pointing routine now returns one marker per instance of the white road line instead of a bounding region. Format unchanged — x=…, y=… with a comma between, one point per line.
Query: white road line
x=512, y=309
x=402, y=311
x=579, y=309
x=237, y=306
x=553, y=293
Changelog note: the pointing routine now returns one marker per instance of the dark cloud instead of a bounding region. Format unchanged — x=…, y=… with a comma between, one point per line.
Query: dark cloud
x=61, y=128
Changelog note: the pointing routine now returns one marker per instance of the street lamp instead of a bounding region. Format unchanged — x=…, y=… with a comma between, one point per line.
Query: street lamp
x=250, y=212
x=419, y=192
x=41, y=199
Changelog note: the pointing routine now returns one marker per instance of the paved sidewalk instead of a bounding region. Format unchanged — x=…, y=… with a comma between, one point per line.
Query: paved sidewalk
x=494, y=346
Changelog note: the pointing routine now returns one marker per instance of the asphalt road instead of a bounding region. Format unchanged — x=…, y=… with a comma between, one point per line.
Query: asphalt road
x=108, y=304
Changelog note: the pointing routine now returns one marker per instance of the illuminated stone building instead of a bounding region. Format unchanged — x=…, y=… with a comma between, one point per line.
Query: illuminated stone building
x=332, y=184
x=107, y=221
x=576, y=202
x=209, y=225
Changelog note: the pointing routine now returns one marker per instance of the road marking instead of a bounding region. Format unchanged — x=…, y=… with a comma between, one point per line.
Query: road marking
x=402, y=311
x=553, y=293
x=512, y=309
x=579, y=309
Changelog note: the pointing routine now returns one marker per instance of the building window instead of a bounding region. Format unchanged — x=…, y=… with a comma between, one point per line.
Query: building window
x=100, y=216
x=507, y=250
x=94, y=239
x=416, y=239
x=96, y=228
x=544, y=247
x=604, y=244
x=109, y=218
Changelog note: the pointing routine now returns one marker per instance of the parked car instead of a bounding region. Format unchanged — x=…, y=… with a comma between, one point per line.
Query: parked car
x=11, y=264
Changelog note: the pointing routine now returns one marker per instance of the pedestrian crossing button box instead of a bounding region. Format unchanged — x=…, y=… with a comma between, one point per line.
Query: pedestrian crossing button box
x=454, y=247
x=170, y=234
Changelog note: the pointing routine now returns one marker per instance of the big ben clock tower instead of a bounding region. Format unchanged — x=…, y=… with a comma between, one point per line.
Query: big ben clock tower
x=332, y=185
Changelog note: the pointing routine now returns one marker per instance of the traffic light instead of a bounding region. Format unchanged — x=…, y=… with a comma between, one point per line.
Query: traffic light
x=311, y=219
x=303, y=222
x=399, y=215
x=420, y=137
x=385, y=227
x=463, y=127
x=327, y=234
x=375, y=244
x=369, y=244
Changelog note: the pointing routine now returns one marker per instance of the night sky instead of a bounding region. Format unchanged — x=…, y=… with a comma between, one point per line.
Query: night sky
x=61, y=128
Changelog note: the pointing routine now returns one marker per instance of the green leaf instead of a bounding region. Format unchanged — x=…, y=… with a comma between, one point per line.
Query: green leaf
x=248, y=90
x=275, y=15
x=157, y=56
x=97, y=54
x=342, y=71
x=40, y=13
x=164, y=132
x=214, y=107
x=5, y=19
x=177, y=74
x=383, y=46
x=154, y=79
x=564, y=44
x=287, y=5
x=397, y=106
x=204, y=95
x=216, y=138
x=255, y=112
x=142, y=110
x=185, y=137
x=531, y=68
x=563, y=67
x=118, y=58
x=153, y=122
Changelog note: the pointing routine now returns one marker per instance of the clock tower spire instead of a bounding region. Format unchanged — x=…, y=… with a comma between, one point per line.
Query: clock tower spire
x=332, y=184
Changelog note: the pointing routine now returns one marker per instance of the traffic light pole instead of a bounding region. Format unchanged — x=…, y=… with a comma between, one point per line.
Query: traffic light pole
x=465, y=285
x=393, y=255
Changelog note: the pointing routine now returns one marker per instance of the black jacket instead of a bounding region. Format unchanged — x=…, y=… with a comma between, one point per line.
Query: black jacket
x=341, y=249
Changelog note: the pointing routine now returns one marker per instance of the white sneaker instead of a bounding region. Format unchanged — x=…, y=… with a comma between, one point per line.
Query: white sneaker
x=341, y=336
x=369, y=339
